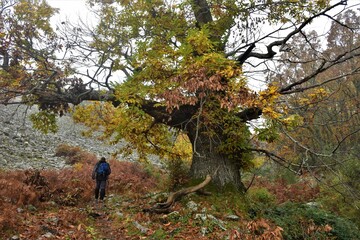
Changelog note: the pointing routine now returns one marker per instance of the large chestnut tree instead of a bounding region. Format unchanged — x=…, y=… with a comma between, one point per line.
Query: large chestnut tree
x=155, y=70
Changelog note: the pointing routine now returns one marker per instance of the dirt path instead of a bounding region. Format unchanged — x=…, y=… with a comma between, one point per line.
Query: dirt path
x=106, y=224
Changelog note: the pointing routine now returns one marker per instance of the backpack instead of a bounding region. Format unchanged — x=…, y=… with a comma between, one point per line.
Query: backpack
x=102, y=169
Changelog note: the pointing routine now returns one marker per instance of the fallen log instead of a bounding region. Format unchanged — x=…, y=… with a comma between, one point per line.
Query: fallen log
x=175, y=196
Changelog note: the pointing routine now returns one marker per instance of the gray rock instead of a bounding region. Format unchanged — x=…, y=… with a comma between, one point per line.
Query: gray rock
x=208, y=218
x=53, y=220
x=232, y=217
x=217, y=222
x=48, y=235
x=174, y=215
x=23, y=147
x=192, y=206
x=20, y=210
x=201, y=216
x=140, y=227
x=119, y=214
x=204, y=231
x=313, y=204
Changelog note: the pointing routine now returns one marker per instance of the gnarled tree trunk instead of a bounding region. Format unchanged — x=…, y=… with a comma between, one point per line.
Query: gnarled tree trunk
x=206, y=160
x=206, y=156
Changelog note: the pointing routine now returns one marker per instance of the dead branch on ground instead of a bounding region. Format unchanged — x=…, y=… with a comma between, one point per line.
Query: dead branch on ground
x=175, y=196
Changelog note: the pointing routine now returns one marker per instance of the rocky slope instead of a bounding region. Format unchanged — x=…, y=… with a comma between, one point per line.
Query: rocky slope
x=22, y=147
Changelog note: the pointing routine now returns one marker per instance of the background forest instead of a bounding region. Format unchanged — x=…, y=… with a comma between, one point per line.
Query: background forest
x=253, y=114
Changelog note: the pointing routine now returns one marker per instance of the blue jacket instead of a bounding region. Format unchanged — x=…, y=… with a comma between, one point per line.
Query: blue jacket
x=101, y=177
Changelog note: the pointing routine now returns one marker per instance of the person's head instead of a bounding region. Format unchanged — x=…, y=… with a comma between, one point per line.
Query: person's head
x=102, y=159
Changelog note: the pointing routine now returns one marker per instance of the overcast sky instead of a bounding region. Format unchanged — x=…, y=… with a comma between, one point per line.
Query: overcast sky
x=70, y=9
x=75, y=9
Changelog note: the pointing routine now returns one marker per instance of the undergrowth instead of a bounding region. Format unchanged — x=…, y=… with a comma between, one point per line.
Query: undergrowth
x=31, y=196
x=301, y=221
x=58, y=204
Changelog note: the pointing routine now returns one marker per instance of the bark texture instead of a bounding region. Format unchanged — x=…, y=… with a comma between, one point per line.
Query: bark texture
x=206, y=160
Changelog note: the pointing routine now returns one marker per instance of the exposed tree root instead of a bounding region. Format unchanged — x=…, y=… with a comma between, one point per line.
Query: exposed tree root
x=175, y=196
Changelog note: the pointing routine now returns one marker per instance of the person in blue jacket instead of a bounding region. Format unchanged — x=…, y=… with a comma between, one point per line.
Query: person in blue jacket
x=101, y=174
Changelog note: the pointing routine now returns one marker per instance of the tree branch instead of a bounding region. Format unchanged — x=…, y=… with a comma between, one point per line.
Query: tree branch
x=325, y=65
x=270, y=52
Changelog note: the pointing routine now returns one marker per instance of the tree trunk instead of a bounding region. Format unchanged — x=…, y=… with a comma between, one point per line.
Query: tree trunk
x=207, y=161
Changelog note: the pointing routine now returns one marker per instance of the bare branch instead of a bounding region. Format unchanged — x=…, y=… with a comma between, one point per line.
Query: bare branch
x=324, y=65
x=271, y=53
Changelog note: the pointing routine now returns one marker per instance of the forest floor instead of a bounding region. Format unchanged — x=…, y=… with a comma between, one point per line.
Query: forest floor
x=59, y=204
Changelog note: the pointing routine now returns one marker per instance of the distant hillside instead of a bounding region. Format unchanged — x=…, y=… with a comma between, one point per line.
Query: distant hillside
x=23, y=147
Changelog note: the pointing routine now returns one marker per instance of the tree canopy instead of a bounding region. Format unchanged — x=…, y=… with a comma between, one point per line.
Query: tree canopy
x=156, y=70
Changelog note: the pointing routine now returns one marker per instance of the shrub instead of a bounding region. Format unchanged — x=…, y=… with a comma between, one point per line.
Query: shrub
x=178, y=173
x=74, y=155
x=302, y=190
x=261, y=195
x=64, y=150
x=129, y=177
x=343, y=206
x=259, y=199
x=300, y=221
x=58, y=188
x=343, y=197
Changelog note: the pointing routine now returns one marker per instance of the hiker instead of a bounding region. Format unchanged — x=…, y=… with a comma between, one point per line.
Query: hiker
x=101, y=174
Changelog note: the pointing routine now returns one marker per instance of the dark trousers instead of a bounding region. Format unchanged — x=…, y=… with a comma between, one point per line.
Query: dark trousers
x=100, y=188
